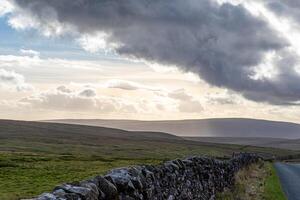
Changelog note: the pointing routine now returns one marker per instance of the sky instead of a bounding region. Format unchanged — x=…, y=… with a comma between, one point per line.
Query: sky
x=150, y=60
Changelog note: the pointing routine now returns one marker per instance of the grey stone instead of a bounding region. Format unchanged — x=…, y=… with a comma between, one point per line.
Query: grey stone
x=191, y=178
x=47, y=196
x=110, y=191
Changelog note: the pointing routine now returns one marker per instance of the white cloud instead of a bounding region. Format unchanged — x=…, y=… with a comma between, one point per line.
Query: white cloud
x=162, y=68
x=5, y=7
x=85, y=100
x=186, y=102
x=94, y=43
x=20, y=19
x=162, y=98
x=11, y=79
x=127, y=85
x=55, y=70
x=222, y=98
x=191, y=106
x=30, y=61
x=180, y=94
x=63, y=89
x=30, y=52
x=88, y=93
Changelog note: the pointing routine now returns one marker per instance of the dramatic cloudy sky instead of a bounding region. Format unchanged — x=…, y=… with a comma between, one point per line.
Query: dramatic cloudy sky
x=150, y=59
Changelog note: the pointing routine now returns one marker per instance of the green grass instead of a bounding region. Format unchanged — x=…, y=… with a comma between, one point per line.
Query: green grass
x=273, y=188
x=33, y=168
x=25, y=175
x=29, y=173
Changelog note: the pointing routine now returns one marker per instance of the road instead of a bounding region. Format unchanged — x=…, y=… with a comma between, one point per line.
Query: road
x=289, y=175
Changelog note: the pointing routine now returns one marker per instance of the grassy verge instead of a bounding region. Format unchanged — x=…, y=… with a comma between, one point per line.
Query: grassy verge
x=257, y=182
x=273, y=188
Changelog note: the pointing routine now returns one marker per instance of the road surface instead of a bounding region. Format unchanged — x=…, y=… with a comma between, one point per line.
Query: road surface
x=289, y=175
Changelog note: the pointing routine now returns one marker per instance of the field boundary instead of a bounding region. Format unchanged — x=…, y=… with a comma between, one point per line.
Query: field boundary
x=190, y=178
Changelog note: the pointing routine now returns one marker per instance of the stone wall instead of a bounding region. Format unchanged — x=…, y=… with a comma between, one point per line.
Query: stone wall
x=191, y=178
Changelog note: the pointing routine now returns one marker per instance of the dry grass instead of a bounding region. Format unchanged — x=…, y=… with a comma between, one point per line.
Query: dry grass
x=254, y=183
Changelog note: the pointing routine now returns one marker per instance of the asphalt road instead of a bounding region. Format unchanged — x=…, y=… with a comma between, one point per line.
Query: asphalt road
x=289, y=175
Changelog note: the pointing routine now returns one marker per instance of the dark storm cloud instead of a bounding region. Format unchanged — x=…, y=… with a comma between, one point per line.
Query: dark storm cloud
x=221, y=43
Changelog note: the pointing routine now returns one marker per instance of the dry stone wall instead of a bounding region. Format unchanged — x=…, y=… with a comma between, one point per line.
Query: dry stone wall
x=191, y=178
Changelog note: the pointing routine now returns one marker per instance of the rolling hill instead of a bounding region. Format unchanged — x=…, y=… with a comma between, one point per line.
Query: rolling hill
x=226, y=127
x=31, y=129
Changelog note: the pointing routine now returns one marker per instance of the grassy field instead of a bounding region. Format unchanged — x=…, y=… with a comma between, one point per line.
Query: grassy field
x=34, y=157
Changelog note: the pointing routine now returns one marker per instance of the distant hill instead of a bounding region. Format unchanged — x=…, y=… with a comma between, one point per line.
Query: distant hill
x=221, y=127
x=71, y=132
x=59, y=138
